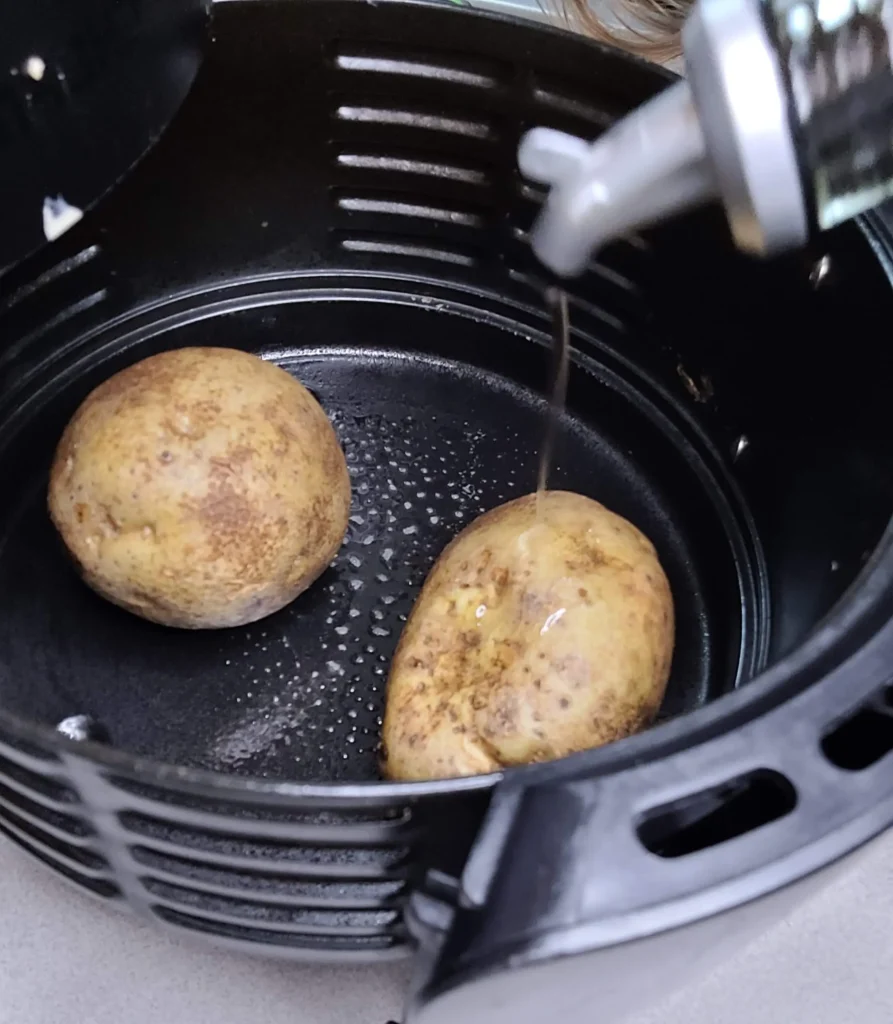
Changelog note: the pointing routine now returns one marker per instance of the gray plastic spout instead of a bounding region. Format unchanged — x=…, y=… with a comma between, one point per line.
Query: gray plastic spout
x=648, y=166
x=784, y=118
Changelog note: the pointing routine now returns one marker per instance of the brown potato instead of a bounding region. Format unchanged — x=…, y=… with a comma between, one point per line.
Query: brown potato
x=543, y=629
x=200, y=488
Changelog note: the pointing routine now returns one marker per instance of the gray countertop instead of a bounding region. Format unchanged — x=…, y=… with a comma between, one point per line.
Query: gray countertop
x=64, y=957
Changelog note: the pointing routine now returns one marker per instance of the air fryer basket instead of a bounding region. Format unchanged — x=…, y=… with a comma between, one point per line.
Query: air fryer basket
x=339, y=194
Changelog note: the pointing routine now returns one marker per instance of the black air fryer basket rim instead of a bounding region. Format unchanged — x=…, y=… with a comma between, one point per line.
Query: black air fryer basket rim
x=797, y=670
x=119, y=806
x=859, y=613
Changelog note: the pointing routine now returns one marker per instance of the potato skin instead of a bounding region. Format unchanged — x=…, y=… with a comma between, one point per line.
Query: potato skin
x=200, y=488
x=538, y=633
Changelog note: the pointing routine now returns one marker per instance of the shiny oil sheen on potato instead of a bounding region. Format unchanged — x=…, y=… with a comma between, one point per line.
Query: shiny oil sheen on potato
x=545, y=628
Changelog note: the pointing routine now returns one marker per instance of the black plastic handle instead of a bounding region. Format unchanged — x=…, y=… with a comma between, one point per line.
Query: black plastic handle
x=570, y=861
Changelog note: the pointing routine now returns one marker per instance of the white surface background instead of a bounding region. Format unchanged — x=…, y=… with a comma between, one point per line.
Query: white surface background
x=65, y=958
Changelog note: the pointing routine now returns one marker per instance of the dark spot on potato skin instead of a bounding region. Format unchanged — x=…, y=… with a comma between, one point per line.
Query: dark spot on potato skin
x=232, y=461
x=504, y=709
x=227, y=515
x=535, y=606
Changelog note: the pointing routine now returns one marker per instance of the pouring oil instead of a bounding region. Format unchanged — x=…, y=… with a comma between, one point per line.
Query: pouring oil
x=556, y=300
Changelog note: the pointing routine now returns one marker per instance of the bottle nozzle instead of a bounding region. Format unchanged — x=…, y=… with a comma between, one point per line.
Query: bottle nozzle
x=651, y=164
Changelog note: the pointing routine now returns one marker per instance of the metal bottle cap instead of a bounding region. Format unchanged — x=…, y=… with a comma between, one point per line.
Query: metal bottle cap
x=725, y=133
x=741, y=100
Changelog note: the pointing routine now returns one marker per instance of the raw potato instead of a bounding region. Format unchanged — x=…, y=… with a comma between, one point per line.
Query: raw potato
x=200, y=488
x=538, y=633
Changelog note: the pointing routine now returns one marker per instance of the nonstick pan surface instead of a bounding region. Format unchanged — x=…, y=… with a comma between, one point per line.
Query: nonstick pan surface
x=340, y=194
x=431, y=442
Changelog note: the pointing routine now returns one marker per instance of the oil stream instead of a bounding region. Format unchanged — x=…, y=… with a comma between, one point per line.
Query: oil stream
x=556, y=299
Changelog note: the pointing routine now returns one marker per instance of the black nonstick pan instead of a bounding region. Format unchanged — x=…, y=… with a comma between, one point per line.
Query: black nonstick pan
x=339, y=194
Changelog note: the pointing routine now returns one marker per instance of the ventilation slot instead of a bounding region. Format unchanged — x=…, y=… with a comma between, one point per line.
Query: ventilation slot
x=270, y=887
x=595, y=267
x=414, y=69
x=93, y=882
x=63, y=316
x=31, y=315
x=717, y=815
x=864, y=738
x=80, y=864
x=539, y=285
x=343, y=945
x=37, y=788
x=49, y=276
x=279, y=916
x=396, y=208
x=384, y=247
x=262, y=854
x=26, y=753
x=43, y=816
x=559, y=100
x=61, y=826
x=321, y=828
x=408, y=165
x=170, y=802
x=413, y=119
